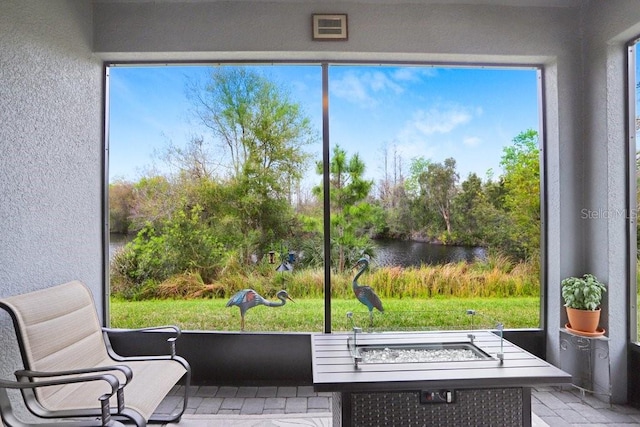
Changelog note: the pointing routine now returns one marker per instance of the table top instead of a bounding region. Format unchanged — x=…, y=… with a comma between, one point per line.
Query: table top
x=334, y=369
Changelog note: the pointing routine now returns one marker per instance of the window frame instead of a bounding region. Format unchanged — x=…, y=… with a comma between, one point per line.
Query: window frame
x=325, y=65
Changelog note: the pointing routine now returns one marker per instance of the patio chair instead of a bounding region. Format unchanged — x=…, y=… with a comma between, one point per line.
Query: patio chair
x=71, y=371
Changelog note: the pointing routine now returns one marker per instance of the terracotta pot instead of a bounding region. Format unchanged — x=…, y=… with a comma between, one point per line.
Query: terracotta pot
x=583, y=320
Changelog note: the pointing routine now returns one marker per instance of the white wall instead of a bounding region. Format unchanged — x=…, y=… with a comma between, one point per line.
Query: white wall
x=282, y=29
x=604, y=139
x=50, y=152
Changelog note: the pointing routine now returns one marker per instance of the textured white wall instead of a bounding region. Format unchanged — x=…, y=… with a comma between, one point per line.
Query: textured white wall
x=262, y=29
x=50, y=152
x=604, y=142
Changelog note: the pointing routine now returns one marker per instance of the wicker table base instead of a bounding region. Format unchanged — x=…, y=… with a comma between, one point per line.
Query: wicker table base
x=483, y=407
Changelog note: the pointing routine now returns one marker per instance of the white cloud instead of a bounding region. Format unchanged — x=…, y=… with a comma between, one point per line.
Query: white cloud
x=351, y=88
x=380, y=82
x=427, y=132
x=364, y=88
x=439, y=120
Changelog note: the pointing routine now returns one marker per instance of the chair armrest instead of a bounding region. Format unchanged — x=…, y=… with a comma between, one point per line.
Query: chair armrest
x=24, y=383
x=128, y=373
x=113, y=381
x=171, y=340
x=23, y=374
x=176, y=329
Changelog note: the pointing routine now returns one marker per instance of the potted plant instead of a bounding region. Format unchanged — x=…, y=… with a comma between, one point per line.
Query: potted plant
x=582, y=297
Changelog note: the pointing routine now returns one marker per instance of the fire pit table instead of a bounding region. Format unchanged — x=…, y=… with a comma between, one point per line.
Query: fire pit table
x=448, y=378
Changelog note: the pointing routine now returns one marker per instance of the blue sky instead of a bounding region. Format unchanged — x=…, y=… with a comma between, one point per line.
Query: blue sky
x=469, y=114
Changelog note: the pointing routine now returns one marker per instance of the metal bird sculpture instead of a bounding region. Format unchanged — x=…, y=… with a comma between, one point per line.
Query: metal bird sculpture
x=364, y=293
x=247, y=298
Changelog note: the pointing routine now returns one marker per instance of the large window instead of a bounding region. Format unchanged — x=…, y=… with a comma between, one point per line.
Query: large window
x=421, y=182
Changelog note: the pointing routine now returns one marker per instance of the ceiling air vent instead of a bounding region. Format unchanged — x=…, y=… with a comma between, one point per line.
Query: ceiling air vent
x=329, y=27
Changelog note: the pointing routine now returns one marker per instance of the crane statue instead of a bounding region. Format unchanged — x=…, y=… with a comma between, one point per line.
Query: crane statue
x=248, y=298
x=364, y=293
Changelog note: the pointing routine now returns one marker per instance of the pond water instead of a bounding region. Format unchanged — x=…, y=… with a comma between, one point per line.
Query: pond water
x=116, y=241
x=388, y=252
x=408, y=253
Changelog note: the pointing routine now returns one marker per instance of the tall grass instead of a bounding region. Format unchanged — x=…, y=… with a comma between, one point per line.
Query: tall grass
x=495, y=277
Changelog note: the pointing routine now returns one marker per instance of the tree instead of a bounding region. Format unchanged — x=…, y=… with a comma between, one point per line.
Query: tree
x=466, y=205
x=256, y=125
x=156, y=199
x=417, y=167
x=261, y=136
x=194, y=160
x=350, y=213
x=424, y=218
x=393, y=199
x=521, y=164
x=398, y=219
x=177, y=245
x=438, y=188
x=121, y=200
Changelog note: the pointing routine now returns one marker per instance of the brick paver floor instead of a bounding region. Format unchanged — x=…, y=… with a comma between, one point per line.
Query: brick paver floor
x=269, y=406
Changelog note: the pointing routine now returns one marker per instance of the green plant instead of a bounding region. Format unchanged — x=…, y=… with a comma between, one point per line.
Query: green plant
x=582, y=293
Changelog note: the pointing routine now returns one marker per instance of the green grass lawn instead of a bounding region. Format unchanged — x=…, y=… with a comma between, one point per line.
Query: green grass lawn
x=307, y=314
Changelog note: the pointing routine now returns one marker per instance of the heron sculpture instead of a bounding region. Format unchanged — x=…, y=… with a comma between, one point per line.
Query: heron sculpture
x=248, y=298
x=364, y=293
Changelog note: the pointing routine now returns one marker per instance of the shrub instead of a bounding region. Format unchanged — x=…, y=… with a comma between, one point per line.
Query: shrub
x=182, y=244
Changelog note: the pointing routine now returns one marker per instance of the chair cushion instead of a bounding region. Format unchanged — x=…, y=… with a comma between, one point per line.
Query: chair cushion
x=152, y=381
